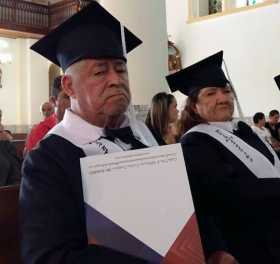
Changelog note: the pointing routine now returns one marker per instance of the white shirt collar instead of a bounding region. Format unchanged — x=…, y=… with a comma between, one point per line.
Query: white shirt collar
x=78, y=131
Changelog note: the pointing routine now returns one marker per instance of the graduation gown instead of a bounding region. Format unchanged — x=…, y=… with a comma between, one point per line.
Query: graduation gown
x=52, y=209
x=237, y=212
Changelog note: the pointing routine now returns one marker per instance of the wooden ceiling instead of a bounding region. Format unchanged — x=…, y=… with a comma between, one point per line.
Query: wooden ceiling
x=43, y=2
x=30, y=20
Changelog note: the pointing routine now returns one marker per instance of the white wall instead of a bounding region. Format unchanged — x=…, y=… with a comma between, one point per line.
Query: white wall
x=203, y=7
x=9, y=89
x=25, y=80
x=38, y=80
x=147, y=64
x=25, y=84
x=250, y=41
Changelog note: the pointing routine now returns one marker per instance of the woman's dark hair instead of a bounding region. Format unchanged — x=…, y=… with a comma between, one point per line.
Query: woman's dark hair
x=157, y=117
x=56, y=88
x=257, y=117
x=189, y=118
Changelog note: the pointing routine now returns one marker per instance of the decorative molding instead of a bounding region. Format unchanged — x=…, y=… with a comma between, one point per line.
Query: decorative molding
x=60, y=11
x=23, y=16
x=174, y=58
x=19, y=18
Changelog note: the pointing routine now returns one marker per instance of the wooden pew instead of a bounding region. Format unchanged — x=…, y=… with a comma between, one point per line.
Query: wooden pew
x=9, y=225
x=19, y=144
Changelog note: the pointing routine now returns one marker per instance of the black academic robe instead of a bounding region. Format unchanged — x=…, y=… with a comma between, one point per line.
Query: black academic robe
x=237, y=212
x=52, y=209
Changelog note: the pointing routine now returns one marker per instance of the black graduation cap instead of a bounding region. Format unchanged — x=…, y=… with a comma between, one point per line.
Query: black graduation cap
x=91, y=33
x=205, y=73
x=277, y=80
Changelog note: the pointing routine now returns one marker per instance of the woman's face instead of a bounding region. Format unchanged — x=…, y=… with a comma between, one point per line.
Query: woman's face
x=215, y=104
x=172, y=111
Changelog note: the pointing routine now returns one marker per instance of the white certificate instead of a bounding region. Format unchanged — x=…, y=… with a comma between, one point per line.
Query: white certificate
x=137, y=201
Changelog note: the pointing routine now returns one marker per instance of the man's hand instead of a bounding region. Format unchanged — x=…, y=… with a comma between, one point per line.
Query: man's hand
x=221, y=257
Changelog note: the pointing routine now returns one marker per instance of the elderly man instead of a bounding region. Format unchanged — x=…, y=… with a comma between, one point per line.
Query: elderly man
x=91, y=48
x=53, y=112
x=234, y=174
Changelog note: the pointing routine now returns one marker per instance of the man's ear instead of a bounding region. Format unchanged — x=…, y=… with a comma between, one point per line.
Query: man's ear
x=193, y=106
x=67, y=85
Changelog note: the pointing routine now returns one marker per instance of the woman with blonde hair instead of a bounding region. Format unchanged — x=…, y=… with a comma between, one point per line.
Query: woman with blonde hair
x=162, y=117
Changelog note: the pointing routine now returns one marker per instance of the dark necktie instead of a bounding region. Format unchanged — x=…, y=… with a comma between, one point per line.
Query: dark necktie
x=125, y=134
x=246, y=134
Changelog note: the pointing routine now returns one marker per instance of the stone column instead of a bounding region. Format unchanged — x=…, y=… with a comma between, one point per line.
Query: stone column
x=147, y=64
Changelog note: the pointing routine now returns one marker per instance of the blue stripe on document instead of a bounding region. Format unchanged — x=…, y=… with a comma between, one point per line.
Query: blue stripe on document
x=109, y=234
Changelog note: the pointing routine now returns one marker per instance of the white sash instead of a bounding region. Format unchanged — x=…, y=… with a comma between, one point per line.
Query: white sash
x=91, y=138
x=99, y=146
x=256, y=162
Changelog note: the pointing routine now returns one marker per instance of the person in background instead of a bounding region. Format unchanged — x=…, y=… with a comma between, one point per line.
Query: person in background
x=59, y=98
x=273, y=126
x=10, y=164
x=162, y=117
x=47, y=109
x=54, y=111
x=62, y=103
x=98, y=122
x=38, y=132
x=234, y=175
x=259, y=128
x=5, y=133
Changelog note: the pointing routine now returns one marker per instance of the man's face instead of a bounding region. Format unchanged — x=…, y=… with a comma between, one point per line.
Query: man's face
x=100, y=88
x=215, y=104
x=274, y=119
x=47, y=109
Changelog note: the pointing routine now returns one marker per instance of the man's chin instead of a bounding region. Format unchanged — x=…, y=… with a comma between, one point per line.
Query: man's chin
x=226, y=118
x=116, y=110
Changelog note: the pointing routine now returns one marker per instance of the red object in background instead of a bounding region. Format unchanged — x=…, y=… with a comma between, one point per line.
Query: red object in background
x=39, y=131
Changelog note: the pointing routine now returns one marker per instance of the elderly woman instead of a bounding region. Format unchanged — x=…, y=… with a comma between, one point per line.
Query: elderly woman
x=234, y=175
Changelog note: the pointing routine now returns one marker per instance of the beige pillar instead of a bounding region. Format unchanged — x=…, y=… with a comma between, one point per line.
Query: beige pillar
x=147, y=64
